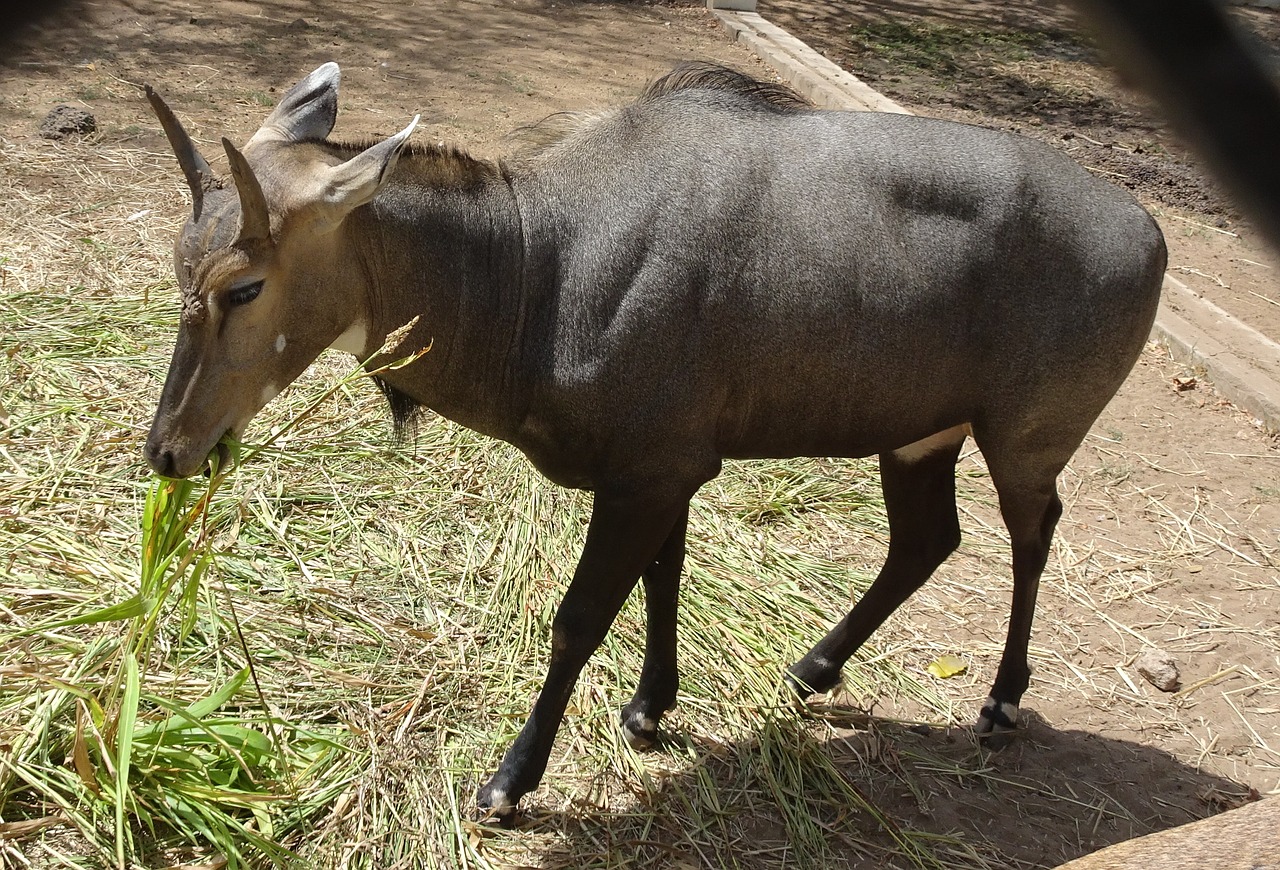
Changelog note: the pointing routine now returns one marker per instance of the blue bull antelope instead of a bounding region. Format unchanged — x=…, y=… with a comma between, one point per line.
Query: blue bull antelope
x=714, y=271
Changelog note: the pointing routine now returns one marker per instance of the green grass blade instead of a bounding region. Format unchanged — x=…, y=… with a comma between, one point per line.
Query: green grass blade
x=125, y=722
x=129, y=608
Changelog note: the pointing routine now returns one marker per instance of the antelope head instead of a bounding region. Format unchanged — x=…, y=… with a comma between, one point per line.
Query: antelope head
x=266, y=275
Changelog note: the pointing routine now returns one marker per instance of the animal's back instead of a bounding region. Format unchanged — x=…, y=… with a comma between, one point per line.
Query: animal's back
x=831, y=283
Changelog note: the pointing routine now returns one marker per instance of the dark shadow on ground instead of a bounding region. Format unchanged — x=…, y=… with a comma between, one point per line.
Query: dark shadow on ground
x=506, y=62
x=18, y=16
x=1050, y=796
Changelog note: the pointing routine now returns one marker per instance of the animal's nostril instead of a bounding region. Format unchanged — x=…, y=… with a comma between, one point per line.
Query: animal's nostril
x=160, y=460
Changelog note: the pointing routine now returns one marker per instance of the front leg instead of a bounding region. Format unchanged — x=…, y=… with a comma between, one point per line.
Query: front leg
x=622, y=540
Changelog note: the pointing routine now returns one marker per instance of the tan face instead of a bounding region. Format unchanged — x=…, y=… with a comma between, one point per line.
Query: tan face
x=265, y=289
x=248, y=330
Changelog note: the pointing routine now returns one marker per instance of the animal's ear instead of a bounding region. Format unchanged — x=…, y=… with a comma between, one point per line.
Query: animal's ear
x=310, y=108
x=352, y=184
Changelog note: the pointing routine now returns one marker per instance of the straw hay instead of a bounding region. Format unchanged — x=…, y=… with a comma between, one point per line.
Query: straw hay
x=399, y=601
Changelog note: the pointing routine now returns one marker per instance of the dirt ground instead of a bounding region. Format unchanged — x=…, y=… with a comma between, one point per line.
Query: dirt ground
x=1171, y=537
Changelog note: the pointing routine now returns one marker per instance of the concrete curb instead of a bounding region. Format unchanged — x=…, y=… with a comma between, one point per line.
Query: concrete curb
x=1196, y=332
x=815, y=77
x=1200, y=334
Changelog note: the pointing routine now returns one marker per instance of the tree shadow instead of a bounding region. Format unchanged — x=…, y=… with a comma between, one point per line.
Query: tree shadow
x=1014, y=14
x=506, y=62
x=857, y=791
x=18, y=15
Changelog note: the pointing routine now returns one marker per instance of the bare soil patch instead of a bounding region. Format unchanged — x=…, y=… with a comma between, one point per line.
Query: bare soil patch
x=1171, y=537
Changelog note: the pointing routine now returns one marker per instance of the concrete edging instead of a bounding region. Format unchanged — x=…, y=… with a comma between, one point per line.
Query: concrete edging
x=1195, y=331
x=815, y=77
x=1200, y=334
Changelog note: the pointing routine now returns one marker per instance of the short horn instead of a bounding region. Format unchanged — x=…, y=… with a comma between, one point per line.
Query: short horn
x=194, y=167
x=255, y=221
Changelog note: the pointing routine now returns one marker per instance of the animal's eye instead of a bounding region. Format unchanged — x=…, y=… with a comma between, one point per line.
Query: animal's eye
x=244, y=294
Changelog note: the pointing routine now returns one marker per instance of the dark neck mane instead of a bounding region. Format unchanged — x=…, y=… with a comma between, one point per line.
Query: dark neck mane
x=696, y=76
x=436, y=165
x=405, y=410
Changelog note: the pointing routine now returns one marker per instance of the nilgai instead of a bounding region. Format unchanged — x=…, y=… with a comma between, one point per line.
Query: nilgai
x=716, y=271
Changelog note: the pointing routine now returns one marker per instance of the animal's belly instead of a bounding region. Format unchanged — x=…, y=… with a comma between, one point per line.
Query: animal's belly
x=909, y=444
x=829, y=423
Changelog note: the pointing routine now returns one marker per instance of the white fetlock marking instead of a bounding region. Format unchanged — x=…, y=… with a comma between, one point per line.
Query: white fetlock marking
x=639, y=731
x=800, y=687
x=1007, y=710
x=499, y=803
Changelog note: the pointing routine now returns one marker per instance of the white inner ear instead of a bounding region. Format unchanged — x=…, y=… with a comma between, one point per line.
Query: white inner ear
x=312, y=119
x=352, y=184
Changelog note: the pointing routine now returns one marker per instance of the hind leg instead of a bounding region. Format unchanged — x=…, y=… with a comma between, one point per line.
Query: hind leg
x=1030, y=507
x=660, y=678
x=920, y=498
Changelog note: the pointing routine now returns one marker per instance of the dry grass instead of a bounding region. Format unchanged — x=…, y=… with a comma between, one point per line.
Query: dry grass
x=396, y=603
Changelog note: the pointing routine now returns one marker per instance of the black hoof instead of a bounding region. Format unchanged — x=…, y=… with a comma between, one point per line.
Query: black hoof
x=807, y=679
x=997, y=724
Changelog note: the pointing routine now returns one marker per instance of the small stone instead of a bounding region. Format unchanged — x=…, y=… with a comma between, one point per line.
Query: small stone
x=1159, y=669
x=65, y=121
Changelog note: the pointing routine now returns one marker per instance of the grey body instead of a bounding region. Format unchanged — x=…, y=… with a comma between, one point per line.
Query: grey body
x=697, y=290
x=712, y=272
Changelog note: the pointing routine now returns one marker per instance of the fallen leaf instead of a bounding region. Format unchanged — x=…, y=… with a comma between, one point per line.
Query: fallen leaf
x=945, y=667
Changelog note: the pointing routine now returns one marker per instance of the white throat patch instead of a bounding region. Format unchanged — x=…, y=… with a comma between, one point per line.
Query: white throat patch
x=280, y=343
x=353, y=340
